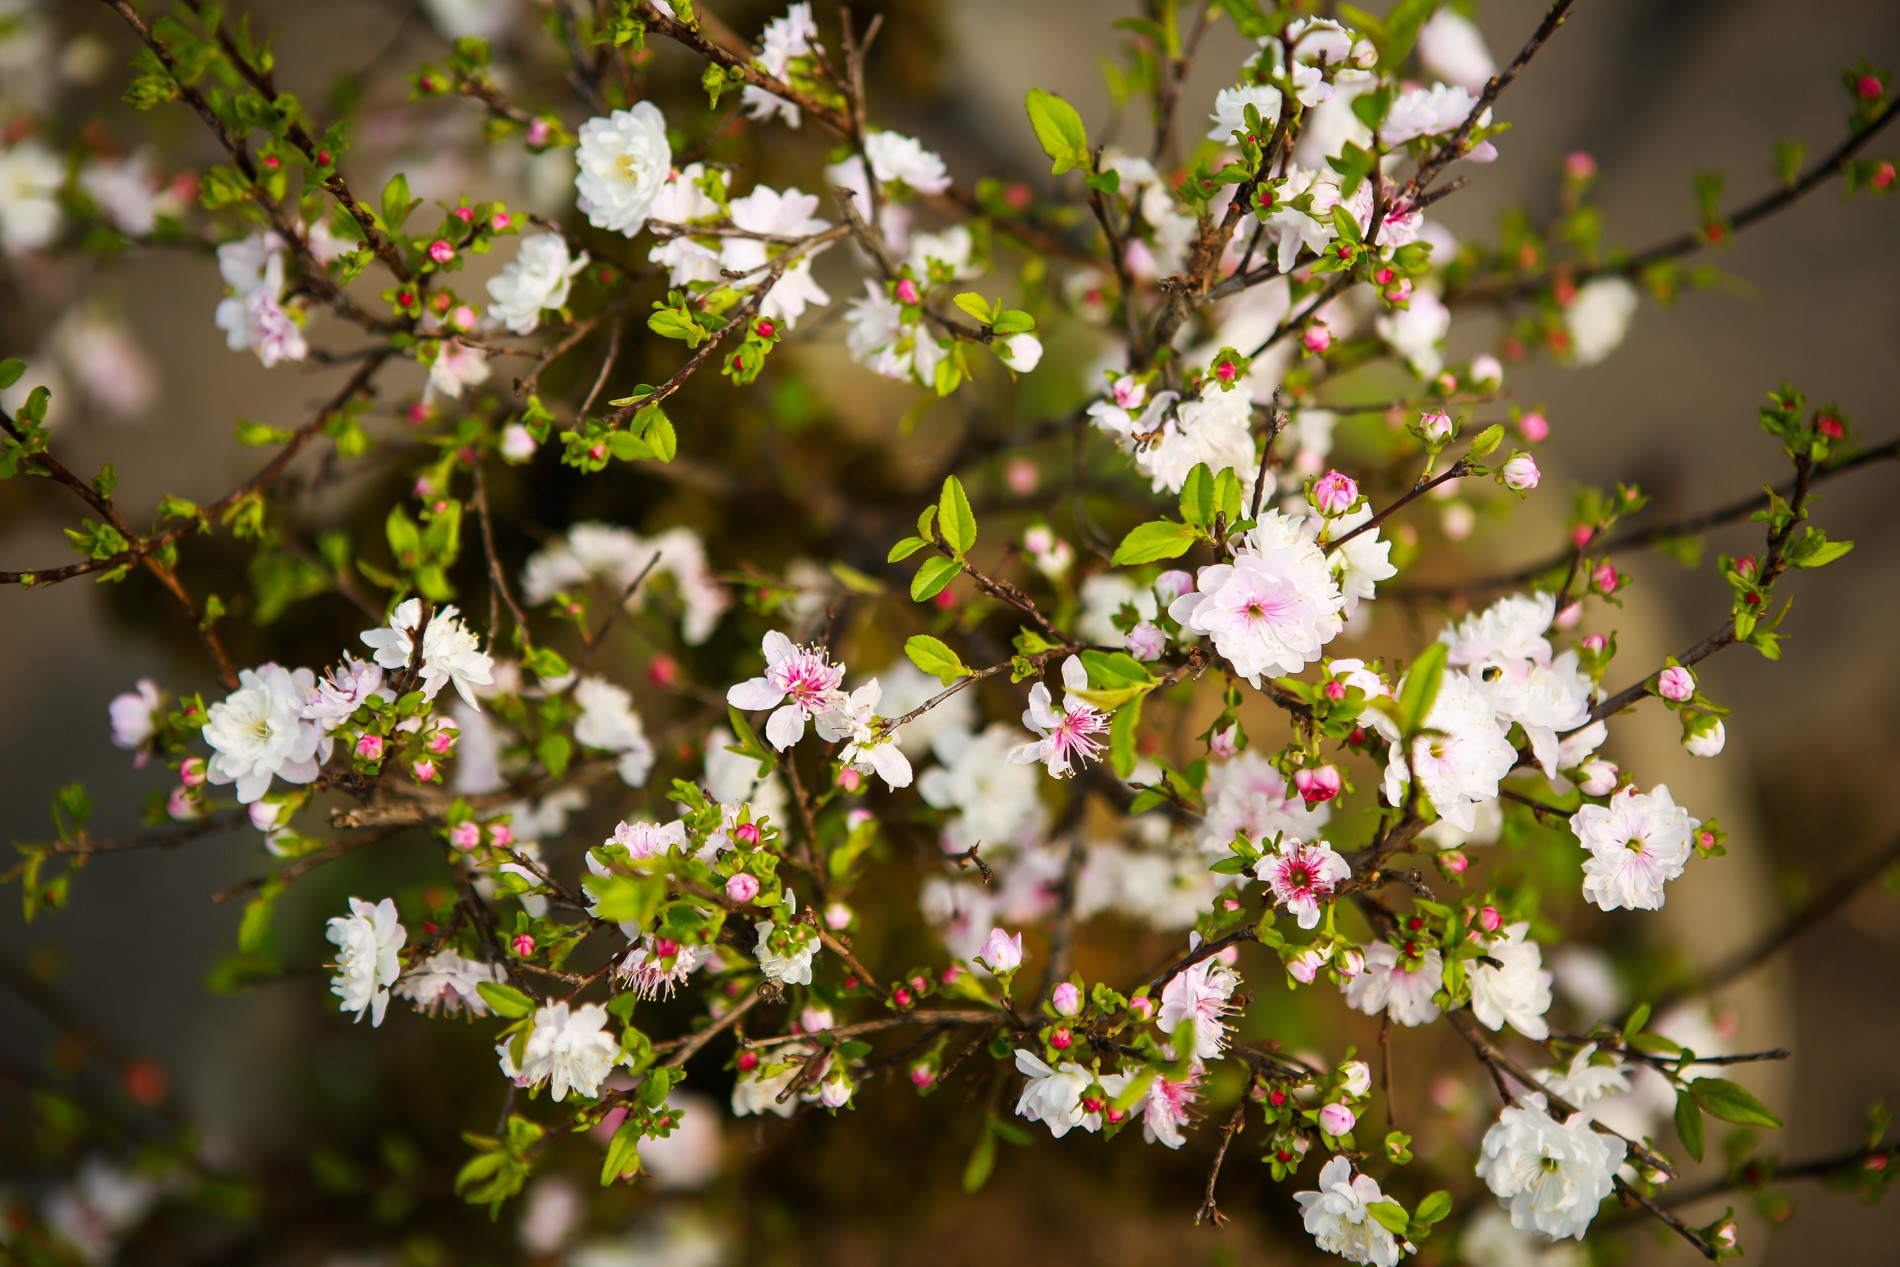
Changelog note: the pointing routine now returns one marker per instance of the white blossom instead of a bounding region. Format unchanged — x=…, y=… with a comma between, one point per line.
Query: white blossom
x=30, y=178
x=1599, y=317
x=1052, y=1096
x=451, y=653
x=853, y=721
x=567, y=1048
x=798, y=683
x=1451, y=47
x=1459, y=762
x=1636, y=842
x=1248, y=794
x=994, y=799
x=1551, y=1175
x=446, y=982
x=1067, y=737
x=1339, y=1216
x=1199, y=998
x=1517, y=992
x=134, y=715
x=1272, y=609
x=538, y=277
x=784, y=40
x=608, y=722
x=369, y=944
x=785, y=951
x=341, y=691
x=1417, y=332
x=895, y=157
x=258, y=732
x=1215, y=429
x=622, y=161
x=1400, y=986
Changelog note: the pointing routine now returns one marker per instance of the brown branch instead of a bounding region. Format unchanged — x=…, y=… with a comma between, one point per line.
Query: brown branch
x=1209, y=1211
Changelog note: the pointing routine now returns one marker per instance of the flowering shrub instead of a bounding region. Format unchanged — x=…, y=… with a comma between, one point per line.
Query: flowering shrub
x=881, y=723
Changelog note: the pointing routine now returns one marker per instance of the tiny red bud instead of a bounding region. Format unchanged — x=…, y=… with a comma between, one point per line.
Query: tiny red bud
x=748, y=1061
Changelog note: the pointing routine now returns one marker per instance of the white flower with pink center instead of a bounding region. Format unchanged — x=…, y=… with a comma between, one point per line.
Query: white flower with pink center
x=1458, y=757
x=1272, y=609
x=1302, y=875
x=1248, y=794
x=1517, y=991
x=1164, y=1110
x=1068, y=736
x=1636, y=842
x=1198, y=997
x=798, y=683
x=656, y=966
x=1400, y=985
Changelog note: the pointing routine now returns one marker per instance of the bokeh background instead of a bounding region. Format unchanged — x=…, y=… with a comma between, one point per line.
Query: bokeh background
x=359, y=1132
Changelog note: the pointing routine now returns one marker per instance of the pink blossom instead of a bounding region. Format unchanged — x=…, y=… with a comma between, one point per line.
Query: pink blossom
x=1001, y=952
x=441, y=252
x=1335, y=493
x=1535, y=426
x=1067, y=999
x=1676, y=683
x=465, y=835
x=1317, y=784
x=742, y=888
x=1337, y=1119
x=1302, y=875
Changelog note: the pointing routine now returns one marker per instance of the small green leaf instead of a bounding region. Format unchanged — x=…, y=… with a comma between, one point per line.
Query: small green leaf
x=904, y=549
x=1434, y=1207
x=506, y=1000
x=10, y=371
x=955, y=520
x=931, y=578
x=976, y=1172
x=1689, y=1123
x=1422, y=681
x=1121, y=737
x=1153, y=541
x=623, y=1153
x=1391, y=1216
x=1197, y=497
x=1059, y=129
x=935, y=658
x=1732, y=1103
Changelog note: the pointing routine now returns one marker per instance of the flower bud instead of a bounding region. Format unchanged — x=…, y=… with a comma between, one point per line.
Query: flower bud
x=1317, y=784
x=1676, y=683
x=815, y=1020
x=182, y=806
x=466, y=834
x=746, y=834
x=192, y=772
x=1337, y=1119
x=850, y=781
x=742, y=888
x=1317, y=338
x=1604, y=578
x=441, y=252
x=1146, y=641
x=835, y=1093
x=1535, y=427
x=370, y=747
x=922, y=1074
x=1067, y=999
x=517, y=443
x=1579, y=165
x=1436, y=427
x=1171, y=584
x=1706, y=741
x=1061, y=1039
x=1453, y=861
x=1868, y=87
x=1489, y=920
x=1334, y=493
x=1022, y=477
x=1358, y=1077
x=1349, y=963
x=1487, y=371
x=522, y=945
x=1002, y=953
x=1225, y=742
x=1142, y=1006
x=748, y=1061
x=1021, y=352
x=1597, y=777
x=1305, y=966
x=907, y=291
x=1594, y=643
x=1520, y=473
x=838, y=917
x=424, y=770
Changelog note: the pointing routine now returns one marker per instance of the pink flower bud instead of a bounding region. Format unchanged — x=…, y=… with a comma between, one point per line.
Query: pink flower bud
x=922, y=1074
x=1349, y=963
x=850, y=780
x=1579, y=165
x=1487, y=371
x=838, y=917
x=742, y=888
x=906, y=291
x=1830, y=426
x=1521, y=473
x=1022, y=477
x=1358, y=1077
x=1604, y=578
x=748, y=1061
x=1536, y=427
x=1002, y=952
x=538, y=132
x=463, y=318
x=1706, y=741
x=441, y=252
x=815, y=1020
x=501, y=219
x=1226, y=371
x=1868, y=87
x=1489, y=920
x=1594, y=642
x=746, y=834
x=1676, y=683
x=1171, y=584
x=1453, y=861
x=1399, y=291
x=1568, y=616
x=440, y=742
x=1146, y=641
x=1305, y=966
x=192, y=772
x=1336, y=690
x=465, y=835
x=424, y=770
x=1334, y=493
x=1061, y=1040
x=182, y=806
x=1596, y=777
x=1337, y=1119
x=1883, y=175
x=464, y=213
x=1067, y=999
x=1225, y=742
x=1317, y=339
x=901, y=996
x=501, y=834
x=1142, y=1006
x=523, y=945
x=1435, y=426
x=1317, y=784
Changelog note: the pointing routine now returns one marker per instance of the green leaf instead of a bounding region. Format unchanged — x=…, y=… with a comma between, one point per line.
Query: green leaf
x=1391, y=1216
x=904, y=549
x=623, y=1153
x=396, y=202
x=1113, y=669
x=254, y=927
x=1487, y=440
x=1121, y=737
x=506, y=1000
x=932, y=577
x=1153, y=541
x=1422, y=681
x=1732, y=1103
x=976, y=1172
x=256, y=434
x=1401, y=30
x=1197, y=497
x=974, y=304
x=935, y=658
x=10, y=371
x=1059, y=129
x=1689, y=1123
x=1434, y=1207
x=955, y=520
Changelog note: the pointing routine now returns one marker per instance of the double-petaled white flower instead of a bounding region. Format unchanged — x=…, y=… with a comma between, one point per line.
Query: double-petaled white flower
x=1458, y=757
x=868, y=748
x=1401, y=986
x=1052, y=1096
x=1339, y=1216
x=539, y=277
x=608, y=722
x=1551, y=1175
x=1272, y=610
x=258, y=732
x=446, y=982
x=568, y=1048
x=341, y=691
x=1517, y=991
x=451, y=653
x=785, y=951
x=1636, y=842
x=622, y=161
x=369, y=957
